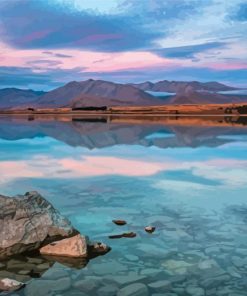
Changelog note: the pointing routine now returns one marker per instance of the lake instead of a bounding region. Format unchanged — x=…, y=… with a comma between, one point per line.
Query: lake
x=185, y=176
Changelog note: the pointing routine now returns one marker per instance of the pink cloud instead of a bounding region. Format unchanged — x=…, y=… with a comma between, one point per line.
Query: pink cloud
x=227, y=66
x=11, y=57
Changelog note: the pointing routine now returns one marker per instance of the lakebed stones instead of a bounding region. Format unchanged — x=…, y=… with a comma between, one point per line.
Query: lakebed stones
x=30, y=225
x=137, y=289
x=29, y=221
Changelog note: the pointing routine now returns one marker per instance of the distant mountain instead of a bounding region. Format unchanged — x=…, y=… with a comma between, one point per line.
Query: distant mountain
x=12, y=97
x=95, y=93
x=98, y=93
x=182, y=86
x=203, y=97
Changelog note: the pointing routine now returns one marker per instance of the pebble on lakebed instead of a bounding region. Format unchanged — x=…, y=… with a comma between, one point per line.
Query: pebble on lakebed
x=119, y=222
x=150, y=229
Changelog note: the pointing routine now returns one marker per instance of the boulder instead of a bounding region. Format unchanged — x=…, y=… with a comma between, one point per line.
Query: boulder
x=75, y=246
x=28, y=222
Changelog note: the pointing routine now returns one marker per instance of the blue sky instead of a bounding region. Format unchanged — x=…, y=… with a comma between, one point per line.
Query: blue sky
x=45, y=43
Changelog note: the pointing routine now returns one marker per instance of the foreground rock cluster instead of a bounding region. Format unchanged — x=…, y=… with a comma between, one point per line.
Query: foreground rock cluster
x=29, y=224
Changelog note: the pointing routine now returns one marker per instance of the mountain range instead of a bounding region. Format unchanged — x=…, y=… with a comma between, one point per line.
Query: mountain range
x=98, y=93
x=182, y=86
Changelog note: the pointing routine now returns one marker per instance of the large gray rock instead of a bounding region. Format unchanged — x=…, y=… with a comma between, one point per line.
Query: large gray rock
x=28, y=222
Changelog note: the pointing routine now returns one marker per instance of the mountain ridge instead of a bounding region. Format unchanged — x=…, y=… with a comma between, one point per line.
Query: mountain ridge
x=98, y=93
x=181, y=86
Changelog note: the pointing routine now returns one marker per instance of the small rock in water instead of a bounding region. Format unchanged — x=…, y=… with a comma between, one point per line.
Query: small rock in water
x=150, y=229
x=119, y=222
x=99, y=248
x=127, y=234
x=10, y=285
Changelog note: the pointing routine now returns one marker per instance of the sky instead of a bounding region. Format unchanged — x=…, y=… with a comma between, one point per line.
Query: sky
x=47, y=43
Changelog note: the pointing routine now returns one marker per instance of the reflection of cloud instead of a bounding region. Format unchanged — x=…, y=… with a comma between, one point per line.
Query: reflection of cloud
x=93, y=166
x=229, y=172
x=10, y=170
x=181, y=186
x=42, y=167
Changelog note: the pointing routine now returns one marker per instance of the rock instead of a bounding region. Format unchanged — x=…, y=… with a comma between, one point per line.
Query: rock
x=159, y=286
x=75, y=246
x=215, y=281
x=195, y=291
x=151, y=272
x=127, y=234
x=55, y=274
x=29, y=221
x=177, y=266
x=166, y=294
x=130, y=257
x=107, y=291
x=131, y=277
x=41, y=287
x=96, y=249
x=238, y=261
x=10, y=285
x=87, y=285
x=113, y=267
x=137, y=289
x=20, y=268
x=150, y=229
x=119, y=222
x=207, y=264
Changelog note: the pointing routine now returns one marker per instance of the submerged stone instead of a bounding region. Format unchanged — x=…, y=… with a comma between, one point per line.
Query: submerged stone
x=137, y=289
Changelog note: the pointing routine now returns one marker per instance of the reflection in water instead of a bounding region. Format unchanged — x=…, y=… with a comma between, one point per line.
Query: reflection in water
x=185, y=176
x=104, y=132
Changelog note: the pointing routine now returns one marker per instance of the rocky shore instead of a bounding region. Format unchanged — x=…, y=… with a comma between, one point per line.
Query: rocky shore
x=34, y=236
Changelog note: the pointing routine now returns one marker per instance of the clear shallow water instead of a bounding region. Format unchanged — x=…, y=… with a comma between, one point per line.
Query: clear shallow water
x=188, y=181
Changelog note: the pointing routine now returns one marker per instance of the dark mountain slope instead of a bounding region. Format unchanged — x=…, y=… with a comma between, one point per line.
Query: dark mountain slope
x=95, y=93
x=12, y=97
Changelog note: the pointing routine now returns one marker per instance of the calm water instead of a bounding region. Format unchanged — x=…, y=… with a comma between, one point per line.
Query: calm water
x=188, y=181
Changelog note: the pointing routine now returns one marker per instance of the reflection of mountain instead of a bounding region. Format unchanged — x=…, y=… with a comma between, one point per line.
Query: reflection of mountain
x=85, y=132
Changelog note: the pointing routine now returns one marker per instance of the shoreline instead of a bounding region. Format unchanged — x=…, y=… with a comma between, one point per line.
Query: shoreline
x=239, y=109
x=205, y=120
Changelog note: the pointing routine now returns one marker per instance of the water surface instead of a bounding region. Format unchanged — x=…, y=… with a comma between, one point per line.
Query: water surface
x=190, y=181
